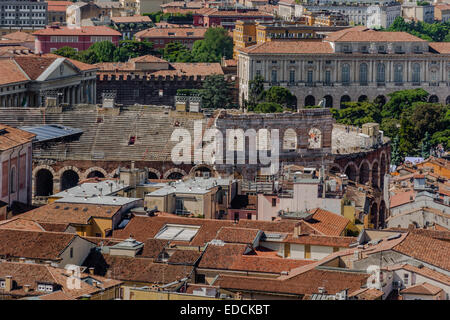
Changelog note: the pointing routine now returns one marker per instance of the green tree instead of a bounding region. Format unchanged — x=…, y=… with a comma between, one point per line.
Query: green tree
x=104, y=50
x=255, y=91
x=132, y=49
x=425, y=146
x=67, y=52
x=216, y=93
x=88, y=56
x=176, y=52
x=216, y=44
x=358, y=113
x=267, y=107
x=281, y=96
x=396, y=158
x=401, y=101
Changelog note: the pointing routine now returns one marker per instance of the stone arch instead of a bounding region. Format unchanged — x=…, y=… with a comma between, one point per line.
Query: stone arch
x=382, y=214
x=43, y=182
x=345, y=98
x=380, y=100
x=363, y=98
x=310, y=101
x=198, y=170
x=351, y=170
x=69, y=179
x=328, y=101
x=174, y=173
x=364, y=172
x=335, y=169
x=153, y=173
x=373, y=214
x=433, y=99
x=95, y=172
x=314, y=138
x=375, y=174
x=289, y=139
x=447, y=101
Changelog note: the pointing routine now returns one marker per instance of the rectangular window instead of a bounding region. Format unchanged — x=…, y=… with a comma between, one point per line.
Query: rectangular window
x=258, y=73
x=310, y=76
x=406, y=278
x=292, y=76
x=274, y=76
x=327, y=77
x=274, y=202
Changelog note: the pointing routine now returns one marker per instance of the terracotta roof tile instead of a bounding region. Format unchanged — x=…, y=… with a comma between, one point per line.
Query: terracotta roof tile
x=173, y=33
x=373, y=36
x=221, y=257
x=290, y=47
x=422, y=288
x=10, y=72
x=70, y=213
x=425, y=249
x=440, y=47
x=184, y=257
x=237, y=235
x=134, y=19
x=19, y=36
x=320, y=240
x=328, y=223
x=402, y=197
x=153, y=247
x=305, y=283
x=367, y=294
x=33, y=244
x=12, y=137
x=83, y=31
x=34, y=65
x=423, y=271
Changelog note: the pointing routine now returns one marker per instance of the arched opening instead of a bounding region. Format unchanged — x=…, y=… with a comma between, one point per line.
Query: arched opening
x=292, y=104
x=314, y=139
x=95, y=174
x=375, y=176
x=310, y=101
x=152, y=175
x=69, y=179
x=351, y=172
x=433, y=99
x=447, y=101
x=204, y=172
x=44, y=183
x=328, y=101
x=290, y=139
x=364, y=173
x=373, y=214
x=382, y=214
x=362, y=98
x=175, y=176
x=344, y=99
x=380, y=100
x=335, y=170
x=382, y=170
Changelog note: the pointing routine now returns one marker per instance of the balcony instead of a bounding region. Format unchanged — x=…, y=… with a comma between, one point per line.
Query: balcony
x=310, y=84
x=328, y=84
x=434, y=84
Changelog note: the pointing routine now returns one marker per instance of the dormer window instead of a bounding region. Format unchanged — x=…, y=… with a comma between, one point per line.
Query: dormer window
x=2, y=284
x=417, y=49
x=398, y=49
x=381, y=49
x=45, y=287
x=347, y=48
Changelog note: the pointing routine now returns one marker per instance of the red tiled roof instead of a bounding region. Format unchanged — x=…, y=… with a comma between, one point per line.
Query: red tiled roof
x=33, y=244
x=402, y=198
x=290, y=47
x=82, y=31
x=194, y=33
x=10, y=72
x=305, y=283
x=441, y=47
x=367, y=294
x=425, y=272
x=58, y=6
x=134, y=19
x=237, y=235
x=369, y=35
x=12, y=137
x=221, y=257
x=328, y=223
x=19, y=36
x=422, y=288
x=318, y=240
x=425, y=249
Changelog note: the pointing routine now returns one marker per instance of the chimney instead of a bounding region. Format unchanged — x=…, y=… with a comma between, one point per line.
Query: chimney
x=91, y=270
x=22, y=260
x=26, y=288
x=132, y=165
x=8, y=283
x=298, y=230
x=322, y=290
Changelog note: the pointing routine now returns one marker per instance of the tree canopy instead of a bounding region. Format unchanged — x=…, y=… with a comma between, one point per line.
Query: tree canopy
x=437, y=31
x=216, y=93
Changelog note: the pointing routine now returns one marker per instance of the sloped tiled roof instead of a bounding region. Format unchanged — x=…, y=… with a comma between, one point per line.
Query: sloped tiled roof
x=237, y=235
x=19, y=36
x=441, y=47
x=367, y=294
x=11, y=137
x=10, y=72
x=290, y=47
x=198, y=32
x=328, y=223
x=425, y=249
x=422, y=288
x=33, y=244
x=83, y=31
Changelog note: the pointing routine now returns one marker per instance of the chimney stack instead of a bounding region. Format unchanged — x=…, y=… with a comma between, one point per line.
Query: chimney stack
x=8, y=283
x=91, y=270
x=22, y=260
x=26, y=288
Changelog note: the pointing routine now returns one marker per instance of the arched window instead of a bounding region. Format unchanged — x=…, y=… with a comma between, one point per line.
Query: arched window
x=12, y=180
x=398, y=73
x=416, y=73
x=315, y=139
x=345, y=73
x=381, y=74
x=363, y=74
